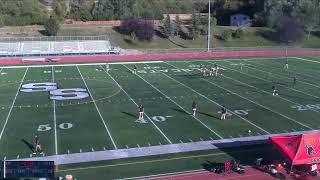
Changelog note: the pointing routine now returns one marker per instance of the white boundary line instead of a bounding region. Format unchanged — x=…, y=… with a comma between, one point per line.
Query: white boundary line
x=306, y=59
x=101, y=117
x=267, y=93
x=162, y=133
x=14, y=100
x=178, y=105
x=260, y=105
x=258, y=88
x=80, y=64
x=216, y=102
x=54, y=118
x=287, y=78
x=164, y=175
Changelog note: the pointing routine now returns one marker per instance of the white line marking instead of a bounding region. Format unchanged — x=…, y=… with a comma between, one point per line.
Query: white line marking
x=54, y=118
x=14, y=100
x=276, y=112
x=82, y=64
x=162, y=133
x=138, y=145
x=102, y=119
x=18, y=157
x=160, y=143
x=258, y=88
x=181, y=141
x=127, y=146
x=178, y=104
x=80, y=151
x=190, y=140
x=287, y=86
x=104, y=148
x=216, y=102
x=92, y=149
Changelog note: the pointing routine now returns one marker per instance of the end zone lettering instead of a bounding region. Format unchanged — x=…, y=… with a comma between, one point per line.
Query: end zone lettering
x=55, y=93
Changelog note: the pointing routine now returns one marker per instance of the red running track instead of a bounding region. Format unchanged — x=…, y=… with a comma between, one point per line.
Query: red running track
x=149, y=57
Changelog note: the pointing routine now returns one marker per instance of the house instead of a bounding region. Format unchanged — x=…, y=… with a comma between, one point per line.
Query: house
x=240, y=20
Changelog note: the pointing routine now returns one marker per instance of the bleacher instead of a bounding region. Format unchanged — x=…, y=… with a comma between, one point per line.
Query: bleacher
x=42, y=48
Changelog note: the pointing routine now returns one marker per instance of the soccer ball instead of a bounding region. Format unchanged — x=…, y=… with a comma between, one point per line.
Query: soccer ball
x=249, y=131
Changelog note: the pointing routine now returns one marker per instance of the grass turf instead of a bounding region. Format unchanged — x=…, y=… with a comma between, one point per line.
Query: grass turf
x=107, y=118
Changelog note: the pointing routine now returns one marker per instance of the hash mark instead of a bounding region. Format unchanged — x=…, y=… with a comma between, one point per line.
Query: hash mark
x=80, y=150
x=104, y=148
x=181, y=141
x=18, y=156
x=68, y=151
x=211, y=138
x=149, y=144
x=5, y=158
x=160, y=143
x=259, y=133
x=92, y=149
x=30, y=155
x=230, y=136
x=127, y=146
x=201, y=139
x=138, y=145
x=190, y=140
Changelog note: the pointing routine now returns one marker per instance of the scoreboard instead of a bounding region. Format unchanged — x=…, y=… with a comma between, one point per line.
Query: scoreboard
x=35, y=169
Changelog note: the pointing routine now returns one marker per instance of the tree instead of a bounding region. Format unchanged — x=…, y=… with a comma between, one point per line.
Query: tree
x=309, y=15
x=195, y=26
x=80, y=10
x=52, y=26
x=166, y=29
x=176, y=27
x=103, y=10
x=226, y=35
x=59, y=9
x=290, y=31
x=140, y=28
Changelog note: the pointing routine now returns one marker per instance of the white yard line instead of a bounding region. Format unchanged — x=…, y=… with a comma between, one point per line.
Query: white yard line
x=293, y=120
x=162, y=133
x=309, y=60
x=14, y=100
x=216, y=102
x=101, y=117
x=258, y=88
x=54, y=118
x=179, y=105
x=287, y=86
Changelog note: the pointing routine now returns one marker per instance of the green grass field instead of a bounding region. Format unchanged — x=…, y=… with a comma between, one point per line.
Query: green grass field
x=107, y=118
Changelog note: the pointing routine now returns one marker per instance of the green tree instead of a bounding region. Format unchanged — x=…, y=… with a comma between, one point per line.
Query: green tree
x=226, y=35
x=309, y=15
x=195, y=26
x=80, y=10
x=1, y=20
x=52, y=26
x=166, y=29
x=59, y=9
x=176, y=27
x=103, y=10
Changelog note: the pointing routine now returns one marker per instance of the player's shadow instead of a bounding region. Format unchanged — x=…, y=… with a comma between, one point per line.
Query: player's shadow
x=211, y=166
x=29, y=145
x=129, y=114
x=180, y=110
x=210, y=115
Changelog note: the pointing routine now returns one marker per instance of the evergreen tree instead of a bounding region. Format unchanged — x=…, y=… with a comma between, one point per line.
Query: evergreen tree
x=177, y=26
x=52, y=26
x=166, y=29
x=195, y=26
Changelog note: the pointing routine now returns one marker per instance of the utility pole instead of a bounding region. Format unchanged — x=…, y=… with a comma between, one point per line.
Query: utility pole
x=209, y=25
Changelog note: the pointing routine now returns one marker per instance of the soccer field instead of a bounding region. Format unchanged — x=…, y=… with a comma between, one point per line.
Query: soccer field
x=84, y=108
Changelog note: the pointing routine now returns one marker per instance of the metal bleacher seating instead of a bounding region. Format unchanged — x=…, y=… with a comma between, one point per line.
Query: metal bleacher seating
x=42, y=48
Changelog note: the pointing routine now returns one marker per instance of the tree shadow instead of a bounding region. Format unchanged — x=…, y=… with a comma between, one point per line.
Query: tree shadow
x=129, y=114
x=269, y=35
x=29, y=145
x=316, y=33
x=180, y=110
x=43, y=32
x=210, y=115
x=179, y=45
x=128, y=41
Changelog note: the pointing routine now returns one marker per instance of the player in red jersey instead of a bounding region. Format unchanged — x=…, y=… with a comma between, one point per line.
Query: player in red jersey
x=141, y=112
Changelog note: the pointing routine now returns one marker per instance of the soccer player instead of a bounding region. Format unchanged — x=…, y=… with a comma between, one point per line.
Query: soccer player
x=212, y=70
x=141, y=112
x=294, y=80
x=223, y=112
x=201, y=68
x=194, y=108
x=216, y=68
x=286, y=66
x=37, y=145
x=274, y=91
x=134, y=69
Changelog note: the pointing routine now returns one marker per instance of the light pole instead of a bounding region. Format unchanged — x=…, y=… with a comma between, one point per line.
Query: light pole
x=209, y=25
